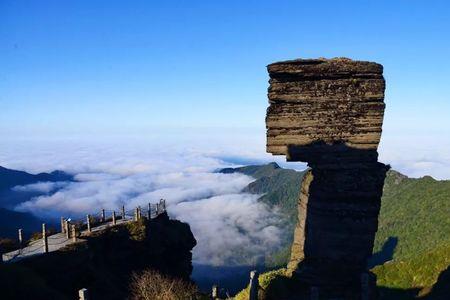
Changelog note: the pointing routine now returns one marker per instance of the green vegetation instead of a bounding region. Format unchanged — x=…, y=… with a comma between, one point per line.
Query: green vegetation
x=415, y=211
x=264, y=280
x=137, y=230
x=279, y=189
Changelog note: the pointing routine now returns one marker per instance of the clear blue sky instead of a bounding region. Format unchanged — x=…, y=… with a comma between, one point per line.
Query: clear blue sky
x=125, y=66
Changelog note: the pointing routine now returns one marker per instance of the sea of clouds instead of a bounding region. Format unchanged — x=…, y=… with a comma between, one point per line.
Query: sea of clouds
x=132, y=171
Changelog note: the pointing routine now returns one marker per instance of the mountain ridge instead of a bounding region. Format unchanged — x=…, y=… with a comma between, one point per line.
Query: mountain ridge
x=11, y=220
x=414, y=212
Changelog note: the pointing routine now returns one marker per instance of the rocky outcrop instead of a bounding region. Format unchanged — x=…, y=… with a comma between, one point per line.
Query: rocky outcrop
x=329, y=113
x=103, y=262
x=330, y=101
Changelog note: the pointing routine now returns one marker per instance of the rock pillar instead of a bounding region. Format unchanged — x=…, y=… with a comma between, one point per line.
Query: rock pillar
x=329, y=113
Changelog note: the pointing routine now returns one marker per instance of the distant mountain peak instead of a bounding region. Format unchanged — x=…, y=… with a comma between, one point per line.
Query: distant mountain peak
x=274, y=165
x=10, y=178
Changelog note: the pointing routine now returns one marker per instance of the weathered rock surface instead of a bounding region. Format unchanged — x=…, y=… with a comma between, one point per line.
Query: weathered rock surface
x=103, y=263
x=313, y=100
x=329, y=113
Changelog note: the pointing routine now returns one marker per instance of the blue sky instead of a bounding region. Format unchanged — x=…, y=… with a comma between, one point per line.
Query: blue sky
x=78, y=68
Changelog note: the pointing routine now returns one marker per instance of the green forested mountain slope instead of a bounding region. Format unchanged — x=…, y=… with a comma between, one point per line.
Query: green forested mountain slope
x=278, y=186
x=417, y=212
x=414, y=212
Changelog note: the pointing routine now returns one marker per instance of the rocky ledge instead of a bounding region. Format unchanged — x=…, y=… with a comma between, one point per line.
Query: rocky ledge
x=103, y=262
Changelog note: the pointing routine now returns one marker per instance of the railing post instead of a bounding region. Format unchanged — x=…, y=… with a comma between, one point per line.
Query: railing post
x=314, y=293
x=123, y=212
x=364, y=286
x=149, y=213
x=44, y=238
x=157, y=209
x=88, y=223
x=20, y=238
x=83, y=294
x=254, y=285
x=215, y=292
x=66, y=228
x=103, y=215
x=114, y=217
x=62, y=225
x=74, y=233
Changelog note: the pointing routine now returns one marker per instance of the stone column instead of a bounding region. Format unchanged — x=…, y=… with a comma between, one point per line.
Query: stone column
x=123, y=212
x=329, y=113
x=254, y=285
x=44, y=238
x=20, y=238
x=74, y=233
x=114, y=218
x=66, y=228
x=62, y=225
x=215, y=292
x=83, y=294
x=88, y=223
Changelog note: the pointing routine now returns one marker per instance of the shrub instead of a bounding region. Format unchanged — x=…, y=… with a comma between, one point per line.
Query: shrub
x=151, y=285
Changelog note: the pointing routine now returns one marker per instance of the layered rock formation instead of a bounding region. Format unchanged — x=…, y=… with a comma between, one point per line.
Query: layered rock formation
x=329, y=114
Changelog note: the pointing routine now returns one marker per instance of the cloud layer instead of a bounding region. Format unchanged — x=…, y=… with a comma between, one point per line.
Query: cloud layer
x=135, y=171
x=223, y=219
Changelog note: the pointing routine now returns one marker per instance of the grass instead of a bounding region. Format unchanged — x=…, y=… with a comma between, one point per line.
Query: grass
x=264, y=280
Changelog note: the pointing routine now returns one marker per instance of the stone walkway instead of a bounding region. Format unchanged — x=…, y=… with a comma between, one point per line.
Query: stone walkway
x=55, y=242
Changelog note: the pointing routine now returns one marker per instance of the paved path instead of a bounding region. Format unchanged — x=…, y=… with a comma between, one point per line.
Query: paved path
x=55, y=242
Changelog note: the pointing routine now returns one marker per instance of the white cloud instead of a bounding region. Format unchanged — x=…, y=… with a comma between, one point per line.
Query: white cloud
x=134, y=172
x=221, y=217
x=40, y=187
